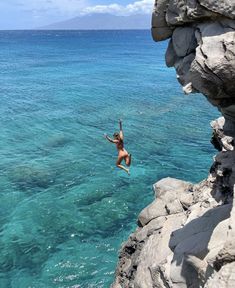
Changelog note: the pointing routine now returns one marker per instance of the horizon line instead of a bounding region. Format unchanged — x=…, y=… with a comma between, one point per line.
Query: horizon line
x=36, y=29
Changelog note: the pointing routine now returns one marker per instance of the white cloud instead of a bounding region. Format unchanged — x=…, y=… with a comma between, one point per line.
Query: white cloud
x=143, y=6
x=112, y=8
x=63, y=7
x=37, y=13
x=72, y=8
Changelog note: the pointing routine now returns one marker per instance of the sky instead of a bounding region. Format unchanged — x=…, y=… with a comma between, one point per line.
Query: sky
x=27, y=14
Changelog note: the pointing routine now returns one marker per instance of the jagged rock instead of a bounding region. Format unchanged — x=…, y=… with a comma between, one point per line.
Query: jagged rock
x=160, y=277
x=155, y=251
x=200, y=266
x=186, y=236
x=176, y=194
x=219, y=139
x=180, y=243
x=184, y=41
x=173, y=196
x=225, y=7
x=224, y=169
x=179, y=12
x=196, y=238
x=205, y=30
x=152, y=211
x=170, y=184
x=170, y=56
x=160, y=29
x=202, y=193
x=206, y=223
x=183, y=66
x=213, y=68
x=227, y=253
x=229, y=126
x=216, y=242
x=150, y=228
x=224, y=278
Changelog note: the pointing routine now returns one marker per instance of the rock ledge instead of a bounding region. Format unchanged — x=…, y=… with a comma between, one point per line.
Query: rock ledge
x=186, y=235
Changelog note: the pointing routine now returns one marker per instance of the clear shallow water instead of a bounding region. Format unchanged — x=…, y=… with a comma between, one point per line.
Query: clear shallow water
x=65, y=209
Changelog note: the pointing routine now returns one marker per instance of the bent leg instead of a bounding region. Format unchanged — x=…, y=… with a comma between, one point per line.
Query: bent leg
x=118, y=164
x=128, y=160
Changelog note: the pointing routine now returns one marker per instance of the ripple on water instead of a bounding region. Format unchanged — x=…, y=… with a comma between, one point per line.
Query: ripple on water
x=65, y=208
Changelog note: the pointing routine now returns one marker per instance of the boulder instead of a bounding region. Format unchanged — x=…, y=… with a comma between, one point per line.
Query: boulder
x=186, y=235
x=160, y=29
x=184, y=41
x=206, y=223
x=152, y=211
x=155, y=252
x=170, y=184
x=225, y=7
x=224, y=278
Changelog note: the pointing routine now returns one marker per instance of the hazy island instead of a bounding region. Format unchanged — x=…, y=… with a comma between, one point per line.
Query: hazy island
x=102, y=21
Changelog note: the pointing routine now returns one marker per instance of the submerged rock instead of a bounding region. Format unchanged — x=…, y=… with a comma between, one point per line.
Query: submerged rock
x=26, y=177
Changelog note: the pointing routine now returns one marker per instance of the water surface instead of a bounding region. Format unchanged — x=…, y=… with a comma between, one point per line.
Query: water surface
x=65, y=209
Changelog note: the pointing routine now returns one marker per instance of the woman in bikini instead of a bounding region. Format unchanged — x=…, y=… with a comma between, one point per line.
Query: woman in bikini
x=122, y=153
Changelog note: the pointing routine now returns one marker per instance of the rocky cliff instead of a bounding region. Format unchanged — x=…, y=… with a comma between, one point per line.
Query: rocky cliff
x=186, y=236
x=201, y=48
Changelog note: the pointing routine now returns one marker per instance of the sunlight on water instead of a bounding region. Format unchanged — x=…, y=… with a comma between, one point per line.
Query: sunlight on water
x=65, y=209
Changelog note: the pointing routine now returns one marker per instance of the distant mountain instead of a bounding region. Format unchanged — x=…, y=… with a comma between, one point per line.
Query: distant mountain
x=102, y=22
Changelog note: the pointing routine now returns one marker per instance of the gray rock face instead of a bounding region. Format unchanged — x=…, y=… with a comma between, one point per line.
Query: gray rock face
x=224, y=278
x=202, y=48
x=225, y=7
x=186, y=235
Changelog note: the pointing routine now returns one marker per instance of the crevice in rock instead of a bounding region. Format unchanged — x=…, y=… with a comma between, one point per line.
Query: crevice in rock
x=194, y=244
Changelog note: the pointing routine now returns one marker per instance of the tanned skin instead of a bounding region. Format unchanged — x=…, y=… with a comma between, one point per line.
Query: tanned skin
x=118, y=139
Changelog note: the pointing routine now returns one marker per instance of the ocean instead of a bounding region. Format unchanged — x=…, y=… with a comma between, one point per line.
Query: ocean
x=65, y=208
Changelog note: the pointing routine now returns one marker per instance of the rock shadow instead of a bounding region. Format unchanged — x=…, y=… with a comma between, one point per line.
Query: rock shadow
x=223, y=172
x=193, y=239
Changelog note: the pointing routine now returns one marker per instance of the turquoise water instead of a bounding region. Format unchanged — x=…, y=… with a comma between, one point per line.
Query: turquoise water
x=65, y=209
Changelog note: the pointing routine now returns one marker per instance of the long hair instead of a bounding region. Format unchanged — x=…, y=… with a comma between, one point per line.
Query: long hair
x=116, y=135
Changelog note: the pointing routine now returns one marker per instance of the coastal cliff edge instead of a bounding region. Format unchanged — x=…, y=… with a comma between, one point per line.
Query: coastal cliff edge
x=185, y=237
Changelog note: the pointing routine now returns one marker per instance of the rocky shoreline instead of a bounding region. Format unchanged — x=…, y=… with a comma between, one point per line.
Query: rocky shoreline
x=185, y=237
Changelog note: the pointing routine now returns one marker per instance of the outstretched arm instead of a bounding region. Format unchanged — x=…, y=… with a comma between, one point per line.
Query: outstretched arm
x=110, y=139
x=121, y=131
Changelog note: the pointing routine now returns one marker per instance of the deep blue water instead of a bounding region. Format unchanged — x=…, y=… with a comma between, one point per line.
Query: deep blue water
x=65, y=209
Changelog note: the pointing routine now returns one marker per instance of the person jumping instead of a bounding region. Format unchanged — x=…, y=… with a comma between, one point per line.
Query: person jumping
x=122, y=153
